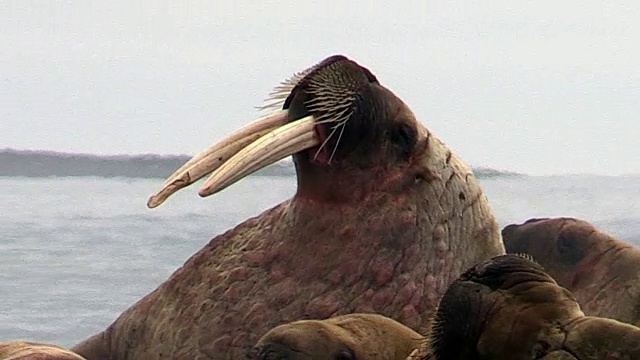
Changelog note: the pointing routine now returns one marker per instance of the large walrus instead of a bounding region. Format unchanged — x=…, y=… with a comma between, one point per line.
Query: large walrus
x=385, y=216
x=24, y=350
x=509, y=308
x=346, y=337
x=602, y=272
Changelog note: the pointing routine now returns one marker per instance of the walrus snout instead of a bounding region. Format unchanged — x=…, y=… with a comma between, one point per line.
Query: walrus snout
x=512, y=234
x=341, y=96
x=504, y=271
x=545, y=239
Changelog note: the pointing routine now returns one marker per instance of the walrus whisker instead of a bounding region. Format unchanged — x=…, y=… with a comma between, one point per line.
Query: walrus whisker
x=325, y=142
x=337, y=115
x=281, y=91
x=276, y=104
x=335, y=148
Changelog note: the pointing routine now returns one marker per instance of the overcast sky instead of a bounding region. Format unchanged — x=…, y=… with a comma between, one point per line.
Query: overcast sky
x=541, y=87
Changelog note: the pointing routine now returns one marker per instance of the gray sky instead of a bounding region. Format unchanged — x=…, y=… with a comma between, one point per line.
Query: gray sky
x=540, y=87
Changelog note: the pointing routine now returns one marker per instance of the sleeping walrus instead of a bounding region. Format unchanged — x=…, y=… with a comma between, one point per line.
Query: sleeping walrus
x=602, y=272
x=509, y=308
x=346, y=337
x=385, y=216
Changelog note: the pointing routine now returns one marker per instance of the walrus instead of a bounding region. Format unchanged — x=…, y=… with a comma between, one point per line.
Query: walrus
x=384, y=217
x=25, y=350
x=602, y=272
x=510, y=308
x=346, y=337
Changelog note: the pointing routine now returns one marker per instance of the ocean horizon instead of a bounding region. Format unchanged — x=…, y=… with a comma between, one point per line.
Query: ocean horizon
x=51, y=163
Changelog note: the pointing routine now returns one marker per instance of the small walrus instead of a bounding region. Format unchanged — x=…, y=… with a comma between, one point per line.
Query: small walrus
x=509, y=308
x=24, y=350
x=602, y=272
x=347, y=337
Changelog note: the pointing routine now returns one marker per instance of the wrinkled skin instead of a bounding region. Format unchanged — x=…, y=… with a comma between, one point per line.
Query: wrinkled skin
x=23, y=350
x=602, y=272
x=347, y=337
x=509, y=308
x=384, y=226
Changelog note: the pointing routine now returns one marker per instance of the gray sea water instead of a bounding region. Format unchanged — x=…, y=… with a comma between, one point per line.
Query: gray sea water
x=75, y=252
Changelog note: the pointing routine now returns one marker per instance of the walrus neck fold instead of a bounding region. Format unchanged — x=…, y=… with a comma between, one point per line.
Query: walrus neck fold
x=343, y=183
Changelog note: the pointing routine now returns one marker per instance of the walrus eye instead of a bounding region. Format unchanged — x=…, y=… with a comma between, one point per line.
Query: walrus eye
x=404, y=137
x=345, y=355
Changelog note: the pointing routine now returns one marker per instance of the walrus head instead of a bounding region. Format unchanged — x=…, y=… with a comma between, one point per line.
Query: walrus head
x=505, y=308
x=601, y=271
x=347, y=337
x=559, y=244
x=303, y=340
x=336, y=119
